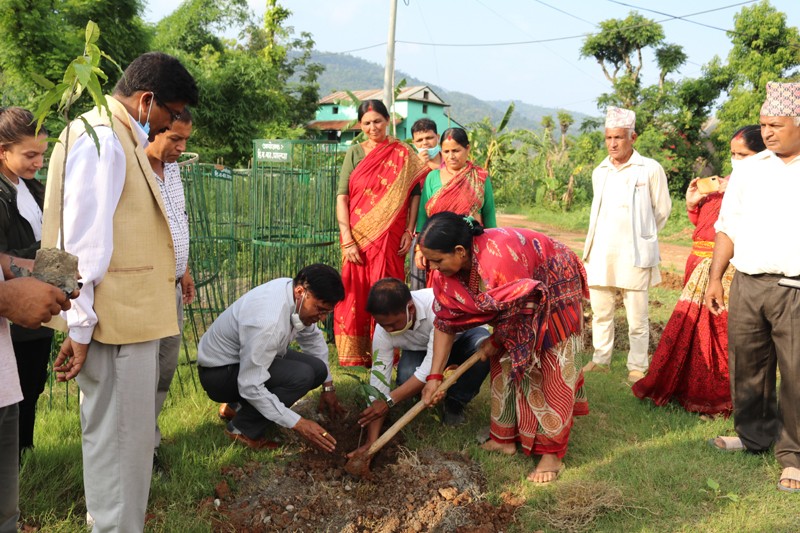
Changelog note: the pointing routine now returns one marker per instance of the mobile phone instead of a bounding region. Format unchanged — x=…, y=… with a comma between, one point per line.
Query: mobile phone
x=708, y=185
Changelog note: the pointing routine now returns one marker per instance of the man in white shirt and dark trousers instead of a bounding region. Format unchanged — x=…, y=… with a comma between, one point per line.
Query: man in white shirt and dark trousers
x=163, y=154
x=630, y=205
x=755, y=232
x=404, y=320
x=244, y=357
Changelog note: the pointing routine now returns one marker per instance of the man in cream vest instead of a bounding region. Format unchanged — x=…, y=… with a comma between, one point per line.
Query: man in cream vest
x=116, y=224
x=630, y=206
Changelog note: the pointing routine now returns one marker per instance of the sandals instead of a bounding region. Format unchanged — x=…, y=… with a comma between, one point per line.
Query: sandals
x=556, y=472
x=730, y=444
x=789, y=473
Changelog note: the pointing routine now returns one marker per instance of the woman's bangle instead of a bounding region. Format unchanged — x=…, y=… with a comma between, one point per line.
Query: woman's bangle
x=432, y=377
x=348, y=244
x=493, y=342
x=410, y=233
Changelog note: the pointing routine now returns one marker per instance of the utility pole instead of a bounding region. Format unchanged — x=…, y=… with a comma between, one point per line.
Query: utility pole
x=388, y=73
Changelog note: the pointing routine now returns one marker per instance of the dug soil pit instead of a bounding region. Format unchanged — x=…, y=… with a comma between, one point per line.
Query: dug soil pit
x=429, y=490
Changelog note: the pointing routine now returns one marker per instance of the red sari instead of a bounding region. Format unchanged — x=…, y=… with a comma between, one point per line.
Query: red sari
x=463, y=194
x=531, y=289
x=690, y=364
x=380, y=189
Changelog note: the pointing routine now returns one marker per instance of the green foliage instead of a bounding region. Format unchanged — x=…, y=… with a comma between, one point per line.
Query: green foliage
x=764, y=49
x=42, y=36
x=670, y=115
x=260, y=86
x=366, y=390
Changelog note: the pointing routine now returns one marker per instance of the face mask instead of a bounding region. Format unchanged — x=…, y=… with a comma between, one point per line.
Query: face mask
x=146, y=125
x=432, y=152
x=296, y=322
x=409, y=323
x=735, y=163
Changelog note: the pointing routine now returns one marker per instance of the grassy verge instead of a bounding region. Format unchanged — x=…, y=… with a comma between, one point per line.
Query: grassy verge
x=678, y=229
x=655, y=460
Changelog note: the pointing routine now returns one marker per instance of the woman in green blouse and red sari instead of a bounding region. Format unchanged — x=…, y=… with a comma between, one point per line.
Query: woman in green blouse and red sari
x=375, y=210
x=460, y=187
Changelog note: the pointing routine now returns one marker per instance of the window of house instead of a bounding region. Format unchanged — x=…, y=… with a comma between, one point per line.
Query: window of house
x=425, y=95
x=335, y=109
x=425, y=108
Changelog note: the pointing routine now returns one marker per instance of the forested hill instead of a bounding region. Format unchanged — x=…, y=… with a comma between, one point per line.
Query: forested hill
x=346, y=72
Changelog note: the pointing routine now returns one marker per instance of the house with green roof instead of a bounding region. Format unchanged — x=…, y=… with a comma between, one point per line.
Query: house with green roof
x=336, y=117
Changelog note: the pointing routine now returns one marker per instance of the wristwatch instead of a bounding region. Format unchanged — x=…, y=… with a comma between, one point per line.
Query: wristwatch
x=329, y=388
x=389, y=402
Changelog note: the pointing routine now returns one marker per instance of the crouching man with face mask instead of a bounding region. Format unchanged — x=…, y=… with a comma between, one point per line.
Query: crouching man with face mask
x=244, y=358
x=404, y=321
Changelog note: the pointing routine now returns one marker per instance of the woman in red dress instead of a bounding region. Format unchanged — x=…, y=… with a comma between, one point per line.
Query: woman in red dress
x=690, y=364
x=376, y=216
x=531, y=289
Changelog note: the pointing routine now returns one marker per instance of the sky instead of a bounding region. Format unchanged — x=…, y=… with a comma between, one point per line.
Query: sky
x=550, y=74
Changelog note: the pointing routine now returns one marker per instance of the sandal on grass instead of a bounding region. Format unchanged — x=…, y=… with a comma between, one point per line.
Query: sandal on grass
x=729, y=444
x=556, y=472
x=789, y=473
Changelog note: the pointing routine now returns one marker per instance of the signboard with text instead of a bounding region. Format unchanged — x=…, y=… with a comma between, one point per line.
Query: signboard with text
x=273, y=151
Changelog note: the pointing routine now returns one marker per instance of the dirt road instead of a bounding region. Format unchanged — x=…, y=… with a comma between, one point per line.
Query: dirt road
x=673, y=257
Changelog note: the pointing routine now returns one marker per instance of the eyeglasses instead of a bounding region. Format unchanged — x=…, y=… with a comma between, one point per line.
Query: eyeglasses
x=172, y=114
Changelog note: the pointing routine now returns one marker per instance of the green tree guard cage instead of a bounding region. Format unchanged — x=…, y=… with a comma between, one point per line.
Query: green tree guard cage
x=293, y=202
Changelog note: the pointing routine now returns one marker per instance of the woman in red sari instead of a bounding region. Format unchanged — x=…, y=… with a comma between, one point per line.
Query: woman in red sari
x=374, y=208
x=531, y=289
x=690, y=364
x=459, y=187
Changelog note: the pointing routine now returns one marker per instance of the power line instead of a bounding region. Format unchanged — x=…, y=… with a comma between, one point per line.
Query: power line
x=554, y=39
x=685, y=19
x=565, y=13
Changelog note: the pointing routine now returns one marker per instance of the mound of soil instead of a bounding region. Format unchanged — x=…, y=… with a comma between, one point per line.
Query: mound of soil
x=429, y=490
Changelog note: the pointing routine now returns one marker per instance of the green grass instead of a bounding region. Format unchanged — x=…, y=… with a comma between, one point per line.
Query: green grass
x=656, y=457
x=678, y=229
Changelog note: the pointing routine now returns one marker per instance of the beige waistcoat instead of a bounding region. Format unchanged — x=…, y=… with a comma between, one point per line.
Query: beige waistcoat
x=135, y=301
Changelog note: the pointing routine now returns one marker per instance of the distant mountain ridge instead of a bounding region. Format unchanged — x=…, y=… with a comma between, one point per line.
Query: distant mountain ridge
x=346, y=72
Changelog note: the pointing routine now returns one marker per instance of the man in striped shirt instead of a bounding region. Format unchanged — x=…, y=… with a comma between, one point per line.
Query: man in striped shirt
x=244, y=357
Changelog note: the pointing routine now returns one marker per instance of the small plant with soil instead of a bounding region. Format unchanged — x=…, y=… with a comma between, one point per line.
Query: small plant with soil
x=83, y=74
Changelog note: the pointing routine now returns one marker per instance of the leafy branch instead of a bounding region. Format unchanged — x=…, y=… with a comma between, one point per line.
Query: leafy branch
x=82, y=74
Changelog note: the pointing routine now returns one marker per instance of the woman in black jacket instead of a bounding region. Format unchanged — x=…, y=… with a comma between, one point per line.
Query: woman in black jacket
x=21, y=201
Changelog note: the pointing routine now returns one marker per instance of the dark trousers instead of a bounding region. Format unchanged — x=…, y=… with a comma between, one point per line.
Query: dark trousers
x=9, y=468
x=468, y=385
x=291, y=377
x=32, y=359
x=764, y=334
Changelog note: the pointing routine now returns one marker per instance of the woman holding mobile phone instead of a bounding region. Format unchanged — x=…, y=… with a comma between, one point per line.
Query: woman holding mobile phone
x=690, y=364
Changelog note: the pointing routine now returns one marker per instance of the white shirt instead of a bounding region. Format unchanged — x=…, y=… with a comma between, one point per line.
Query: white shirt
x=92, y=189
x=29, y=209
x=630, y=204
x=10, y=391
x=419, y=337
x=175, y=204
x=252, y=332
x=760, y=213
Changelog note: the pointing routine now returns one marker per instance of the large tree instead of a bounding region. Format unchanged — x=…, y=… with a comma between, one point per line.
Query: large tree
x=42, y=36
x=764, y=49
x=670, y=115
x=262, y=84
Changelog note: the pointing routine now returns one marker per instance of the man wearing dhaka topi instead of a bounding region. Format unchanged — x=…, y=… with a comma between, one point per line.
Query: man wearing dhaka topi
x=630, y=206
x=764, y=302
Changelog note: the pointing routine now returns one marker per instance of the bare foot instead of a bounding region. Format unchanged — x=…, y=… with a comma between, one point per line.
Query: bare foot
x=548, y=469
x=494, y=446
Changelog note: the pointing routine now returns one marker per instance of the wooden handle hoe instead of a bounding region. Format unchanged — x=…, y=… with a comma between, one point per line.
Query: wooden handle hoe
x=358, y=465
